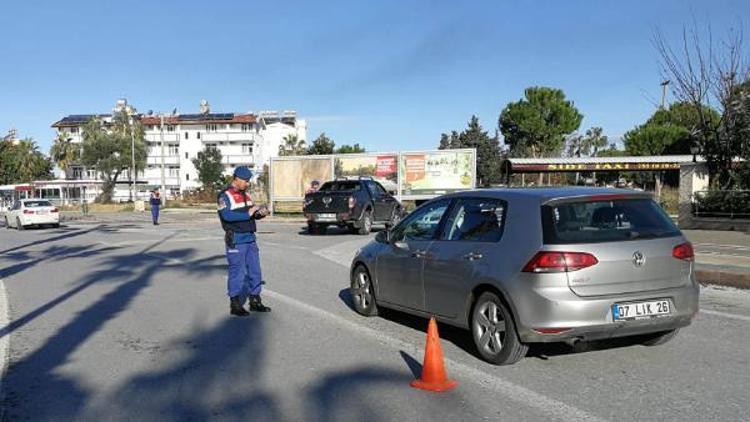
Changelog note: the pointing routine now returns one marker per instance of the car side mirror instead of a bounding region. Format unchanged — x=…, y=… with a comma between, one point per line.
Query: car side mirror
x=383, y=236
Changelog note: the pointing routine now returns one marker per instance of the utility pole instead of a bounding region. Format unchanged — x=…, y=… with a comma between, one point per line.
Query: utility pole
x=664, y=84
x=163, y=182
x=132, y=157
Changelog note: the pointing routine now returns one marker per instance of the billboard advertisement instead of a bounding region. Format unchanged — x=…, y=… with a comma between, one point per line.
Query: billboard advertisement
x=431, y=173
x=381, y=167
x=291, y=177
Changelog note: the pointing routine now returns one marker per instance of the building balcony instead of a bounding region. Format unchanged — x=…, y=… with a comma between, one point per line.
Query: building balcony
x=169, y=138
x=155, y=160
x=236, y=160
x=213, y=137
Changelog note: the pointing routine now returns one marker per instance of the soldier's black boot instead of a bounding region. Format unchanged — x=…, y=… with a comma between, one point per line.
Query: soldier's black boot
x=235, y=307
x=255, y=305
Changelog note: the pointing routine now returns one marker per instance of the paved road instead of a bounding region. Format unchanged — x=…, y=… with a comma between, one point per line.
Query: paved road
x=130, y=322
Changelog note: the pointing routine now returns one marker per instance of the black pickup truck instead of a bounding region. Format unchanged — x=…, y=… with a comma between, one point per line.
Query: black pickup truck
x=357, y=204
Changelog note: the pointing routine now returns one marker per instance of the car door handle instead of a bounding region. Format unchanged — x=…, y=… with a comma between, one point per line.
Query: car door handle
x=471, y=256
x=419, y=254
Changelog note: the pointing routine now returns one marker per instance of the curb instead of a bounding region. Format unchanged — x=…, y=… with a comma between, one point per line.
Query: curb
x=723, y=278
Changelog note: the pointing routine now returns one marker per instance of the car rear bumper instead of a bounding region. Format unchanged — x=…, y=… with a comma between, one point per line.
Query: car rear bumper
x=342, y=218
x=542, y=312
x=32, y=220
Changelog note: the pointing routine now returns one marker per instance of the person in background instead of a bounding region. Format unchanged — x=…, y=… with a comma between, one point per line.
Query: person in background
x=155, y=202
x=314, y=186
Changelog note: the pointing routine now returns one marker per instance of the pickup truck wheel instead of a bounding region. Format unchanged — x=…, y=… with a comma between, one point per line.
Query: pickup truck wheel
x=366, y=222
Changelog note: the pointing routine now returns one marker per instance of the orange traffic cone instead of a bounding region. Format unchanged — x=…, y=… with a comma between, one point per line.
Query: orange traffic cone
x=433, y=369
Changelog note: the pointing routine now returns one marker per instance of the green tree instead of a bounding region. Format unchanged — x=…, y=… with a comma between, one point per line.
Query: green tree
x=322, y=145
x=587, y=145
x=108, y=148
x=65, y=152
x=350, y=149
x=538, y=124
x=487, y=148
x=210, y=168
x=21, y=161
x=292, y=146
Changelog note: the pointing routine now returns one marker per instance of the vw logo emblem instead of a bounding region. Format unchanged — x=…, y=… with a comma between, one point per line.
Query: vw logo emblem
x=639, y=259
x=327, y=200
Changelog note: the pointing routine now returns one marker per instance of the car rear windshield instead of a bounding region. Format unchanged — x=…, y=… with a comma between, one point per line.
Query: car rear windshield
x=35, y=204
x=605, y=221
x=340, y=186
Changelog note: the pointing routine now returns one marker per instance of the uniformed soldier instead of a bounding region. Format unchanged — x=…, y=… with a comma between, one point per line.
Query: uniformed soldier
x=238, y=214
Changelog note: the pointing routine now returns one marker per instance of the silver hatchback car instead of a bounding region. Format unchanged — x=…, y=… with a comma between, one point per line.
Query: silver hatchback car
x=519, y=266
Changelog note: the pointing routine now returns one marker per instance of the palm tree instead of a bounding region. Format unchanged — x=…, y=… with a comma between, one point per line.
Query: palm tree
x=65, y=152
x=292, y=145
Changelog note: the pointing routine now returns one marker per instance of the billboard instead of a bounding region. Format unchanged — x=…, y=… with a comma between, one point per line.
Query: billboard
x=431, y=173
x=381, y=167
x=291, y=177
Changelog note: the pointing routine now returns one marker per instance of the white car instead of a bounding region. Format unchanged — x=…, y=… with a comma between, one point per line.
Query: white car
x=32, y=212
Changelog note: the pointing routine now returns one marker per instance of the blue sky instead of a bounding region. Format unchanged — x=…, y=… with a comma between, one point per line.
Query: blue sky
x=388, y=74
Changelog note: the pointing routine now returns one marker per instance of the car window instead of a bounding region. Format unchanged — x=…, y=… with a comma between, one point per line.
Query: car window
x=381, y=190
x=36, y=204
x=340, y=186
x=17, y=205
x=373, y=189
x=476, y=220
x=422, y=224
x=605, y=221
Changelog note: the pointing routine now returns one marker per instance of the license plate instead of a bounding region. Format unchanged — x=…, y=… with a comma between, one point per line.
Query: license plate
x=638, y=310
x=326, y=217
x=43, y=212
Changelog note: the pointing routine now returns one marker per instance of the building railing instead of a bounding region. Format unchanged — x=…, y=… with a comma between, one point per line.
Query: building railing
x=249, y=137
x=238, y=159
x=169, y=138
x=168, y=159
x=722, y=203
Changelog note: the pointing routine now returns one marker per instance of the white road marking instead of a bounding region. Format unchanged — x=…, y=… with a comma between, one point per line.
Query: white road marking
x=4, y=344
x=553, y=408
x=726, y=315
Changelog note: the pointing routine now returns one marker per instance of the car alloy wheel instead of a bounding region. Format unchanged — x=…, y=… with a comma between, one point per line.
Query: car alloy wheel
x=362, y=292
x=494, y=331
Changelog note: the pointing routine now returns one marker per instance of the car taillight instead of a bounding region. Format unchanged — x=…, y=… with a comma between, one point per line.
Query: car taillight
x=28, y=211
x=557, y=262
x=54, y=210
x=352, y=202
x=684, y=252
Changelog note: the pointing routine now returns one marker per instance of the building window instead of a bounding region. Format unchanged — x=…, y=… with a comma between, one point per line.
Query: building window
x=174, y=171
x=170, y=128
x=174, y=150
x=212, y=127
x=187, y=176
x=74, y=130
x=187, y=136
x=198, y=135
x=186, y=155
x=247, y=148
x=246, y=127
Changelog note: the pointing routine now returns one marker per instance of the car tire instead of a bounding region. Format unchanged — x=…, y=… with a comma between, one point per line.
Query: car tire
x=7, y=224
x=494, y=331
x=56, y=226
x=657, y=339
x=19, y=226
x=363, y=293
x=365, y=225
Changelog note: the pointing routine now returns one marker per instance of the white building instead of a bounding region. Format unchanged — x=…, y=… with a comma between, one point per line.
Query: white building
x=242, y=138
